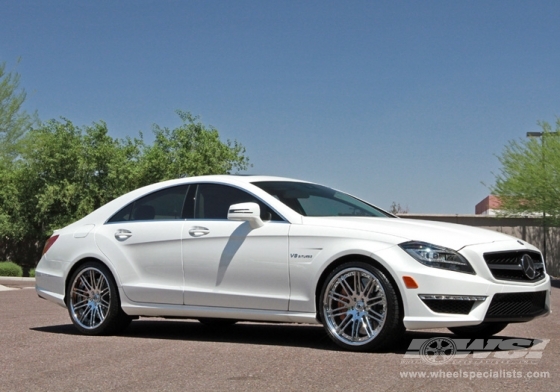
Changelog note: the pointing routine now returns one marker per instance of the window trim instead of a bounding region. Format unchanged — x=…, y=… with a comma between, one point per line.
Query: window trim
x=189, y=187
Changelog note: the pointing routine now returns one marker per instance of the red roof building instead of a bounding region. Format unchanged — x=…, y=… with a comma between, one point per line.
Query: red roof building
x=488, y=206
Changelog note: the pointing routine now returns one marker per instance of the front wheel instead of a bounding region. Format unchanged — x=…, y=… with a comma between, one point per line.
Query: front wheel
x=93, y=301
x=360, y=308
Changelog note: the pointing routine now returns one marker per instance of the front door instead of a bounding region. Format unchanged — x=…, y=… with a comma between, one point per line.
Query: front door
x=229, y=264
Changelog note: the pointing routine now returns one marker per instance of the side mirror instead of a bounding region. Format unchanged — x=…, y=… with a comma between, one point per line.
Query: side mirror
x=249, y=212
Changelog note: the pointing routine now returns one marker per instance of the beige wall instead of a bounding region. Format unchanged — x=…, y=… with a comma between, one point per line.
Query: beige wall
x=527, y=229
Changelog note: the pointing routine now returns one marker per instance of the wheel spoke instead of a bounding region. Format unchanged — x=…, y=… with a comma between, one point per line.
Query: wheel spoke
x=344, y=308
x=339, y=297
x=339, y=313
x=357, y=283
x=355, y=329
x=85, y=314
x=347, y=320
x=346, y=286
x=81, y=304
x=368, y=287
x=100, y=314
x=374, y=301
x=92, y=317
x=374, y=315
x=86, y=283
x=91, y=279
x=100, y=282
x=367, y=327
x=80, y=292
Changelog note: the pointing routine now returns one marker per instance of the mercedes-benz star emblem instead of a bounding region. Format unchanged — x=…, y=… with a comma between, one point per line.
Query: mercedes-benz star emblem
x=528, y=266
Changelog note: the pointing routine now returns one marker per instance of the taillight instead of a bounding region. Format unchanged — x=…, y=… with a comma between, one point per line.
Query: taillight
x=49, y=243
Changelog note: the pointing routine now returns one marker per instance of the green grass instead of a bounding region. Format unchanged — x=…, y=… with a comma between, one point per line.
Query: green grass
x=8, y=268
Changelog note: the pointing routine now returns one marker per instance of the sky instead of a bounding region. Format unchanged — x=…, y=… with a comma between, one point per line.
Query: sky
x=392, y=101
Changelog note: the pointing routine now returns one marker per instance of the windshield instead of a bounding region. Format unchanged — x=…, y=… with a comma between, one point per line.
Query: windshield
x=317, y=200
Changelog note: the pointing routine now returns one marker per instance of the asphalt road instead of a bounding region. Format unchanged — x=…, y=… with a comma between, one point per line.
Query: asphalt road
x=41, y=351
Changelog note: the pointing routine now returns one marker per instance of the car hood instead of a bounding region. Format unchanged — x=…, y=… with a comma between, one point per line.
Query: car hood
x=449, y=235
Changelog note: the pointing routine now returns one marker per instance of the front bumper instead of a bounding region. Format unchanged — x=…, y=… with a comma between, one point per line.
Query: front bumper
x=452, y=299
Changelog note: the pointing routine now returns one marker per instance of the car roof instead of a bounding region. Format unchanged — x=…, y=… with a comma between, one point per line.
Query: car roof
x=241, y=178
x=223, y=178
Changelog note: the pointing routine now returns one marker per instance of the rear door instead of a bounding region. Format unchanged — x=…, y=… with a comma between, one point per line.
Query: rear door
x=144, y=240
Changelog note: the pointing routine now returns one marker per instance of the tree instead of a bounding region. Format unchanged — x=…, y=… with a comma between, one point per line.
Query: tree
x=64, y=172
x=14, y=121
x=397, y=209
x=529, y=180
x=190, y=150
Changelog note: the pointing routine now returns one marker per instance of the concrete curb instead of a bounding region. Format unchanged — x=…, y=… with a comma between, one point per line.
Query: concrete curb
x=10, y=283
x=16, y=279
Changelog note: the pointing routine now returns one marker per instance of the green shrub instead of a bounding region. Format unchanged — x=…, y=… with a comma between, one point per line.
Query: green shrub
x=32, y=273
x=7, y=268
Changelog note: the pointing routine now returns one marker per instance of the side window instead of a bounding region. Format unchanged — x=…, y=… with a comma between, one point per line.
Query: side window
x=166, y=204
x=322, y=206
x=212, y=201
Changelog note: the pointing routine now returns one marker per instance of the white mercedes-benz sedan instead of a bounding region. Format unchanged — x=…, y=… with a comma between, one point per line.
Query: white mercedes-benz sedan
x=226, y=248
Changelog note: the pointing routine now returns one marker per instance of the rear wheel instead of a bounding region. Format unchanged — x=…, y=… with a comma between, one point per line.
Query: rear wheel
x=483, y=330
x=359, y=308
x=93, y=301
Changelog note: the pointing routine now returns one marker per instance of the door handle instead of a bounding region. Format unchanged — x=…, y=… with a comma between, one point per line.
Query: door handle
x=122, y=234
x=198, y=231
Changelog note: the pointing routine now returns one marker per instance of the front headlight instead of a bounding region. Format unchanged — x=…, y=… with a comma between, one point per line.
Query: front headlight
x=437, y=256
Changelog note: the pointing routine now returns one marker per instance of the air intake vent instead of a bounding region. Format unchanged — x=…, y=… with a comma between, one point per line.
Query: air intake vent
x=517, y=306
x=452, y=304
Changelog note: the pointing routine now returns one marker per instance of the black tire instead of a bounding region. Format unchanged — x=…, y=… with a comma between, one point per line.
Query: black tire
x=484, y=330
x=359, y=308
x=217, y=322
x=93, y=302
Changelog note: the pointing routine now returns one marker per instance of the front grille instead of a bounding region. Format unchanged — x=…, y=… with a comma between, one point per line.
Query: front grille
x=517, y=306
x=509, y=266
x=449, y=306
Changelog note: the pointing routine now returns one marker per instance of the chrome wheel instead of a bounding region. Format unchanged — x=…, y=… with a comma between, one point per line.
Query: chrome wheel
x=360, y=308
x=93, y=301
x=90, y=298
x=355, y=306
